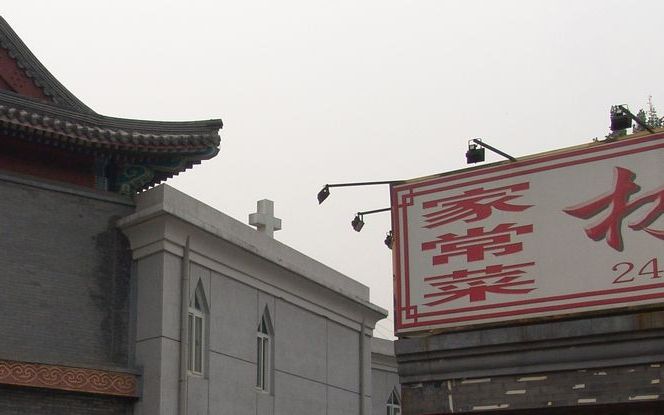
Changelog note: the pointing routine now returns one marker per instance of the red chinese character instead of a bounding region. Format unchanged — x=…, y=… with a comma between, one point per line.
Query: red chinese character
x=496, y=279
x=473, y=205
x=477, y=242
x=620, y=207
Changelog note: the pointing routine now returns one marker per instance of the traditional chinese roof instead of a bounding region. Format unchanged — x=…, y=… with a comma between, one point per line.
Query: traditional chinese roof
x=33, y=69
x=68, y=128
x=35, y=107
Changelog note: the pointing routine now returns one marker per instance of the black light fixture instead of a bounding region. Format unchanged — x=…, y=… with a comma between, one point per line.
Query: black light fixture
x=475, y=153
x=323, y=194
x=357, y=223
x=621, y=119
x=389, y=240
x=325, y=191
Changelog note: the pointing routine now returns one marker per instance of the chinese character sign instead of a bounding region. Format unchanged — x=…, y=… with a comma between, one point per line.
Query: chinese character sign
x=568, y=232
x=619, y=204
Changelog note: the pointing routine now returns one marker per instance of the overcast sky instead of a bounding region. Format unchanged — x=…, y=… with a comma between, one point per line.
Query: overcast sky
x=314, y=92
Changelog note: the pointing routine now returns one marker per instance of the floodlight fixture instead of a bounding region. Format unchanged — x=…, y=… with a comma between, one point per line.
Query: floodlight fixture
x=325, y=191
x=621, y=119
x=389, y=240
x=323, y=194
x=475, y=153
x=357, y=223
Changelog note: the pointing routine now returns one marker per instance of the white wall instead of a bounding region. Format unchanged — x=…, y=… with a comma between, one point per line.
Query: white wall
x=384, y=376
x=317, y=314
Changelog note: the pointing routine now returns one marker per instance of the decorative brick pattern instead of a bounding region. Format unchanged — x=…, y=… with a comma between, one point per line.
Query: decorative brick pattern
x=68, y=378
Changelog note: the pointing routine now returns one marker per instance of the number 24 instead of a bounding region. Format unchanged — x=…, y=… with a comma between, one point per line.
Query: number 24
x=650, y=268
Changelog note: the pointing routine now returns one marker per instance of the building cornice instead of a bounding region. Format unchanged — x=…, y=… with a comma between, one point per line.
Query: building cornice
x=164, y=202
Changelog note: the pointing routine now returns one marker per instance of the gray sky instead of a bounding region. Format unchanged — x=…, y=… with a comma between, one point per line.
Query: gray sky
x=314, y=92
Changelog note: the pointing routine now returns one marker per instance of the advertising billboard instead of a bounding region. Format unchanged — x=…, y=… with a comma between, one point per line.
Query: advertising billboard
x=566, y=232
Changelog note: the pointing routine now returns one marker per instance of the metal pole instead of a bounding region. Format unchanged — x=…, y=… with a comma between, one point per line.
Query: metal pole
x=362, y=183
x=184, y=315
x=495, y=150
x=637, y=119
x=369, y=212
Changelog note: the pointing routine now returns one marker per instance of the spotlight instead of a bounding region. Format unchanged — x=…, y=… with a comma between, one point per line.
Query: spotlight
x=357, y=223
x=323, y=194
x=389, y=240
x=475, y=154
x=621, y=118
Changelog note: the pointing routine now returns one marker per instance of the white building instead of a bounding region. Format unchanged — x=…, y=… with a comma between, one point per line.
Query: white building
x=385, y=387
x=271, y=331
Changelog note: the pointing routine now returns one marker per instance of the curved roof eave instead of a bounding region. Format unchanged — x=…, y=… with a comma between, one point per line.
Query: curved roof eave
x=102, y=131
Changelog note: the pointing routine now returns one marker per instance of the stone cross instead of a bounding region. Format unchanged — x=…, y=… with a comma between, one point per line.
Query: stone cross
x=264, y=218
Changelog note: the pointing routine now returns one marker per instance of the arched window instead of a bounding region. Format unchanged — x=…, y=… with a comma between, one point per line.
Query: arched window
x=197, y=338
x=264, y=352
x=394, y=404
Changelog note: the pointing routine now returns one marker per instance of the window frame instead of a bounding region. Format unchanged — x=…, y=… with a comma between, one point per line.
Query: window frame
x=196, y=335
x=394, y=404
x=264, y=343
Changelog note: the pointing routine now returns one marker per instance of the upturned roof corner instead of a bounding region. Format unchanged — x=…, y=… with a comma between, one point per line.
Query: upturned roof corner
x=35, y=107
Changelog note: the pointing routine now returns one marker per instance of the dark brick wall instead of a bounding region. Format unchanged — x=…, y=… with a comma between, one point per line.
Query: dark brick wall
x=589, y=388
x=601, y=364
x=24, y=401
x=64, y=275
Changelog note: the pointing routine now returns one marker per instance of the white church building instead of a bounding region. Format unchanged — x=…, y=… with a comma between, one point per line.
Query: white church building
x=270, y=330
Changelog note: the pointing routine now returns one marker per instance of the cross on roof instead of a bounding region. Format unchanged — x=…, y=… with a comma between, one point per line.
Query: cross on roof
x=264, y=218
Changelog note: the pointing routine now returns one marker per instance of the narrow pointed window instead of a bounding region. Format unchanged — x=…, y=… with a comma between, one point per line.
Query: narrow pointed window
x=263, y=353
x=196, y=327
x=394, y=404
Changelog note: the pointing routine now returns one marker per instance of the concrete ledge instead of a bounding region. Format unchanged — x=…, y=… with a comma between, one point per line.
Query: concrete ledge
x=382, y=346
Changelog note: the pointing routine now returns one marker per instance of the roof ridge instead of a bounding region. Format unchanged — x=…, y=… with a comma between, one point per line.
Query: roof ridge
x=36, y=71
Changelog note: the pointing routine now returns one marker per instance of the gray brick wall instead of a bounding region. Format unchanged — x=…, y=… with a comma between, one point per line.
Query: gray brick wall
x=604, y=363
x=633, y=387
x=25, y=401
x=64, y=273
